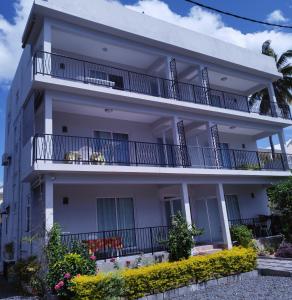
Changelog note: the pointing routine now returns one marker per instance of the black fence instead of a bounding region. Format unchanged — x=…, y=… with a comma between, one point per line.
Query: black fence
x=65, y=67
x=94, y=151
x=116, y=243
x=260, y=227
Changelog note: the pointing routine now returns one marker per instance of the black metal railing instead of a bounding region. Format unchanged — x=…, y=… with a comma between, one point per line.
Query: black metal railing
x=95, y=151
x=259, y=227
x=122, y=242
x=65, y=67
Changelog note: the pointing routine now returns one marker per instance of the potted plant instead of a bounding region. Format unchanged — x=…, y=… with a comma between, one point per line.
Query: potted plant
x=97, y=158
x=72, y=156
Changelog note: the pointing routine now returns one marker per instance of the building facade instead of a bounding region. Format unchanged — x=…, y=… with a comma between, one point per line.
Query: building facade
x=116, y=121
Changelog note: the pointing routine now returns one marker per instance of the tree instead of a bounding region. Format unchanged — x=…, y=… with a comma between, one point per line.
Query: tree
x=280, y=197
x=282, y=87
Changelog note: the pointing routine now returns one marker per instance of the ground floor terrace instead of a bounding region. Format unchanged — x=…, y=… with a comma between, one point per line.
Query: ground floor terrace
x=132, y=218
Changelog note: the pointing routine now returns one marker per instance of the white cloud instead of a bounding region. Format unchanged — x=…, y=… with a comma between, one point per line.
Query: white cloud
x=197, y=19
x=277, y=17
x=209, y=23
x=10, y=39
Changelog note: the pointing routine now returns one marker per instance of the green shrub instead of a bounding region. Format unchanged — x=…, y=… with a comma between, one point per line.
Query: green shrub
x=135, y=283
x=181, y=238
x=242, y=235
x=280, y=197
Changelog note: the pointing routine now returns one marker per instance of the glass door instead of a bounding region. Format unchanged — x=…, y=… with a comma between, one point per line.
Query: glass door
x=121, y=148
x=232, y=206
x=225, y=155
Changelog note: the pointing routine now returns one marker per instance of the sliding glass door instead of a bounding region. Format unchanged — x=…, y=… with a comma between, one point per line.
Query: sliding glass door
x=113, y=146
x=116, y=216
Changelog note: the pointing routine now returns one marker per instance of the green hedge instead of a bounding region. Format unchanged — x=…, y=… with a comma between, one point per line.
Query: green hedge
x=135, y=283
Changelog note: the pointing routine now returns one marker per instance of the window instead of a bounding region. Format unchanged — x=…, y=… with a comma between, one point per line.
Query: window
x=115, y=213
x=232, y=206
x=118, y=80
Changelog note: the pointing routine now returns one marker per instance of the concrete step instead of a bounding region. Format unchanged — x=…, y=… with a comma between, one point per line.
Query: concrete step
x=211, y=251
x=202, y=248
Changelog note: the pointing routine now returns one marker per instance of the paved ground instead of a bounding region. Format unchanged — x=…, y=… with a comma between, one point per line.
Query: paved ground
x=8, y=291
x=259, y=288
x=275, y=266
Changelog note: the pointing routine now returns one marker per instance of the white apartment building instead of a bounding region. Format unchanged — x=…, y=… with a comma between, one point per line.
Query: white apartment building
x=116, y=121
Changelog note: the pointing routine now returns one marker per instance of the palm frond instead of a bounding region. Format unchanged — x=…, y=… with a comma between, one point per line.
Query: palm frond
x=284, y=58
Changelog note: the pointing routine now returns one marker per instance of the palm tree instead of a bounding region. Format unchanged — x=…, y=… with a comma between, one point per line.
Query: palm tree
x=282, y=87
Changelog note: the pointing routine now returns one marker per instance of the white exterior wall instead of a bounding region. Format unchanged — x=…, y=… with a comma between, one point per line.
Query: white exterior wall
x=81, y=125
x=250, y=207
x=80, y=215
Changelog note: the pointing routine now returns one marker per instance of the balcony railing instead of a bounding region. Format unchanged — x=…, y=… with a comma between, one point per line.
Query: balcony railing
x=123, y=242
x=65, y=67
x=93, y=151
x=289, y=161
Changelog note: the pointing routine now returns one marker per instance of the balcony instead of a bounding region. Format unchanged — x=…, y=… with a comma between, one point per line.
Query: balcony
x=64, y=67
x=94, y=151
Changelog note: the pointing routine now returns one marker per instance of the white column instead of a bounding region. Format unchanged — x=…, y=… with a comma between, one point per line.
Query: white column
x=48, y=113
x=223, y=215
x=165, y=147
x=46, y=141
x=281, y=137
x=47, y=46
x=175, y=135
x=272, y=92
x=186, y=203
x=273, y=99
x=49, y=203
x=209, y=133
x=167, y=67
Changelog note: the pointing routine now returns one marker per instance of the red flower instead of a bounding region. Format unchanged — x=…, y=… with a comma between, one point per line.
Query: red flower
x=78, y=275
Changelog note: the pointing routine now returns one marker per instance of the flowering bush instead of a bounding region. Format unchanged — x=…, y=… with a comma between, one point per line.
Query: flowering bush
x=62, y=271
x=64, y=264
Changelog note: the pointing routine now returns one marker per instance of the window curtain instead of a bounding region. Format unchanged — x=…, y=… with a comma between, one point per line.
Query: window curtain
x=106, y=214
x=232, y=206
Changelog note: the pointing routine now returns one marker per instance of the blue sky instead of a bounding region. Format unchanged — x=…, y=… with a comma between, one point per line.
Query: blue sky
x=14, y=13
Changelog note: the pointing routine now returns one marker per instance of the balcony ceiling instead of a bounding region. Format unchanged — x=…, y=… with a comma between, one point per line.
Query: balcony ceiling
x=90, y=48
x=101, y=112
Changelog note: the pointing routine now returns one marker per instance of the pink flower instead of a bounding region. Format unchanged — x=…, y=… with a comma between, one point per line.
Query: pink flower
x=57, y=287
x=92, y=257
x=67, y=276
x=61, y=283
